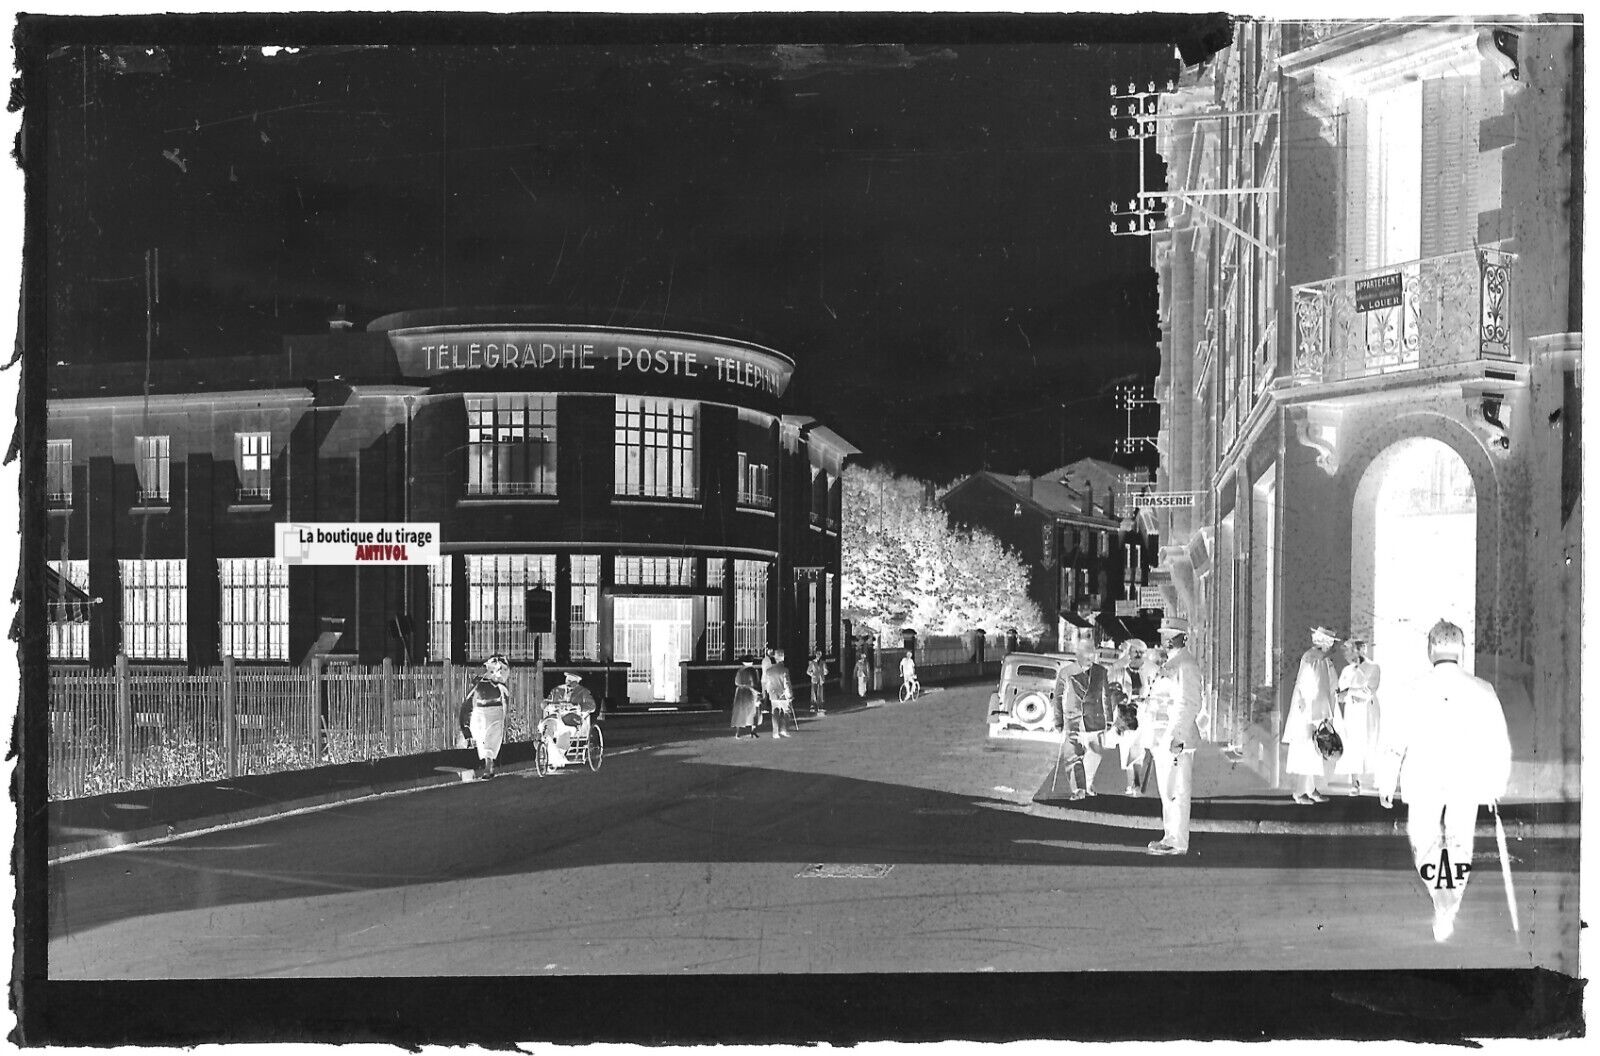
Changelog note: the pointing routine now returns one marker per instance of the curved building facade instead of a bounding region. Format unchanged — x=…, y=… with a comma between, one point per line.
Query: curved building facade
x=650, y=480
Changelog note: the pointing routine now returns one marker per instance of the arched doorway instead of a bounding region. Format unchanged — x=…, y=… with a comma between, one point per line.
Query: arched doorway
x=1414, y=556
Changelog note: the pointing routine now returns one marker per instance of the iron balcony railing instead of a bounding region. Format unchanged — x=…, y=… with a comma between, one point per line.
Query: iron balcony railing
x=1435, y=312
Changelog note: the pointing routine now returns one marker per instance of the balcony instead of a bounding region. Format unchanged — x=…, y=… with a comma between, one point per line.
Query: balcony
x=1437, y=312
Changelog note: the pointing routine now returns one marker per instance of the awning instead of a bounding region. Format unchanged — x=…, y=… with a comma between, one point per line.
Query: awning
x=1076, y=620
x=64, y=602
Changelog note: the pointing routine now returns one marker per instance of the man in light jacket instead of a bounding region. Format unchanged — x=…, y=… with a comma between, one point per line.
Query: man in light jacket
x=1449, y=752
x=1175, y=734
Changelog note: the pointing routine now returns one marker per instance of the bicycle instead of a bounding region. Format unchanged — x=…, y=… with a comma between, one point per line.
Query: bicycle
x=910, y=689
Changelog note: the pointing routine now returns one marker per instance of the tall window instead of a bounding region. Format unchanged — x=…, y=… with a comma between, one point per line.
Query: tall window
x=439, y=577
x=655, y=571
x=496, y=604
x=716, y=629
x=153, y=462
x=155, y=609
x=757, y=454
x=755, y=483
x=749, y=607
x=511, y=444
x=255, y=608
x=58, y=472
x=655, y=448
x=819, y=494
x=252, y=454
x=1132, y=569
x=69, y=639
x=584, y=617
x=811, y=617
x=1394, y=175
x=827, y=613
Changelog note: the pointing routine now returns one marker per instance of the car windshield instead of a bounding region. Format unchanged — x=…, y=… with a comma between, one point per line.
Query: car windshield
x=1034, y=671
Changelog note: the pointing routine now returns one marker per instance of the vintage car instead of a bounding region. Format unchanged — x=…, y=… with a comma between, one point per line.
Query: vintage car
x=1027, y=703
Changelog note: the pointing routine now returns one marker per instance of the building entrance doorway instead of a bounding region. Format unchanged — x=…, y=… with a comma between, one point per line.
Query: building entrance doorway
x=1415, y=557
x=653, y=636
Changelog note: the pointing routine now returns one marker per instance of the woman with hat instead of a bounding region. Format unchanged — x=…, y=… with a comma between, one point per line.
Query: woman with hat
x=1130, y=737
x=1309, y=707
x=1358, y=714
x=485, y=712
x=746, y=699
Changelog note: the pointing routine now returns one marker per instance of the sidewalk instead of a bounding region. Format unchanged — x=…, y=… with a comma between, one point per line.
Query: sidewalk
x=125, y=819
x=1230, y=797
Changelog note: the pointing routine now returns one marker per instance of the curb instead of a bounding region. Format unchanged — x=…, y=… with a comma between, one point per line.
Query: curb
x=1515, y=829
x=113, y=841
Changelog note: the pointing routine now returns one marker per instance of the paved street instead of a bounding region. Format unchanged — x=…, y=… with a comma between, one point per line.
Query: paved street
x=690, y=856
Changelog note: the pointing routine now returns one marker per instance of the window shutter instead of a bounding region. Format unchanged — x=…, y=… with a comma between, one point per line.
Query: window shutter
x=1359, y=247
x=1449, y=166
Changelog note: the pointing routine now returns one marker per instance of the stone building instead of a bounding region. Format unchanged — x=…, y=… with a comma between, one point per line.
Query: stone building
x=1370, y=362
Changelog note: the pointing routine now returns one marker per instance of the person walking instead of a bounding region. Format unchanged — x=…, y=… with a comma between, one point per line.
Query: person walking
x=863, y=674
x=1311, y=703
x=1174, y=735
x=1097, y=716
x=1358, y=715
x=1131, y=734
x=746, y=699
x=780, y=693
x=817, y=671
x=484, y=713
x=1449, y=753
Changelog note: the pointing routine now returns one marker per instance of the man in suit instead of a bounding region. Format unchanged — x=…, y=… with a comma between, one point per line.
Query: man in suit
x=780, y=691
x=1174, y=735
x=1449, y=751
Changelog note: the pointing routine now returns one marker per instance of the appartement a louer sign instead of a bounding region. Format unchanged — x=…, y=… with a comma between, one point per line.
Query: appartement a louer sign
x=1380, y=291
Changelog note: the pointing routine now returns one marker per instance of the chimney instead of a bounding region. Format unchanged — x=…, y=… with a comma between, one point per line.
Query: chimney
x=338, y=321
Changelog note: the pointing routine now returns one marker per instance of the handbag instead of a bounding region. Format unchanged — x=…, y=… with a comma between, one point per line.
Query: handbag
x=1327, y=739
x=1127, y=716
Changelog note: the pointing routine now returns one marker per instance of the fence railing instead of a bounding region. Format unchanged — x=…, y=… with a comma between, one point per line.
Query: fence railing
x=135, y=727
x=1427, y=313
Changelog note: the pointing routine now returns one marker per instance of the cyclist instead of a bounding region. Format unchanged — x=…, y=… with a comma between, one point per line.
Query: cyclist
x=909, y=686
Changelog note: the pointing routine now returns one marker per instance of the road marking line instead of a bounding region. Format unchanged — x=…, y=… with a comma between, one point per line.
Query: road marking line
x=843, y=871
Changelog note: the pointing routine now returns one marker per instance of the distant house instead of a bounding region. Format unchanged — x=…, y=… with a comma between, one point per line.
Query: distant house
x=1084, y=547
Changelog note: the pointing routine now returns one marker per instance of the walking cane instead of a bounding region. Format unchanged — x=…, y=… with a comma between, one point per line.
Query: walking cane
x=1505, y=868
x=1059, y=753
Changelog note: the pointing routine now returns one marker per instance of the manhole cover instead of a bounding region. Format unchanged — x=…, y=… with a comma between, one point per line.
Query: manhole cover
x=838, y=871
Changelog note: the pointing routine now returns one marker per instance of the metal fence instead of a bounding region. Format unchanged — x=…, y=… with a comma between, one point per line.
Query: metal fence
x=136, y=727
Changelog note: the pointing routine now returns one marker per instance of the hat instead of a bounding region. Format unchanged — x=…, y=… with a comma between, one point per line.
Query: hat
x=1174, y=625
x=1320, y=631
x=573, y=676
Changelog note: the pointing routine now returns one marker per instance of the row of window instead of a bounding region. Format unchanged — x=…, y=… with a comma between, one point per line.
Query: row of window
x=152, y=464
x=254, y=610
x=511, y=451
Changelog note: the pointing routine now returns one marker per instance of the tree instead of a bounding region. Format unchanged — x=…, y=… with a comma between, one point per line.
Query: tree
x=904, y=566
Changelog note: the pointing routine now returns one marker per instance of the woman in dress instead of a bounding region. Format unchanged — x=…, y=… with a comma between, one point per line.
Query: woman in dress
x=1358, y=721
x=1130, y=677
x=1311, y=703
x=746, y=700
